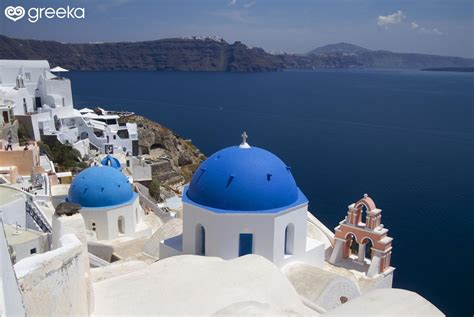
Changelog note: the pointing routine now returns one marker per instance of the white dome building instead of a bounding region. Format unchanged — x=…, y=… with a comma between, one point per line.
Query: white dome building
x=244, y=200
x=109, y=206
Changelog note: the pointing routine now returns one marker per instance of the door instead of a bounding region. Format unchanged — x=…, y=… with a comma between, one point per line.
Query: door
x=5, y=117
x=245, y=244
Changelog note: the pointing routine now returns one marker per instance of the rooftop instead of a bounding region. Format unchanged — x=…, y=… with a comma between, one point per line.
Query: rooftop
x=195, y=285
x=9, y=194
x=21, y=235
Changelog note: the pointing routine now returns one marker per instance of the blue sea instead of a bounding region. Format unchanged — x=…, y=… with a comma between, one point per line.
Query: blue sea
x=404, y=137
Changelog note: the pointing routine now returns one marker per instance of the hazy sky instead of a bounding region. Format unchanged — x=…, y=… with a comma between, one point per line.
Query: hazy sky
x=427, y=26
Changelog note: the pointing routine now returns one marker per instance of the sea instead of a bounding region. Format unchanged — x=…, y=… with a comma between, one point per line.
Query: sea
x=405, y=137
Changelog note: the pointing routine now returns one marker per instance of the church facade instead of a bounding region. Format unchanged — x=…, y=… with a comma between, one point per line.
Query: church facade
x=244, y=200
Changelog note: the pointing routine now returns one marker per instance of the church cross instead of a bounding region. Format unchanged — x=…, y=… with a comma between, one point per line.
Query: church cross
x=244, y=137
x=244, y=144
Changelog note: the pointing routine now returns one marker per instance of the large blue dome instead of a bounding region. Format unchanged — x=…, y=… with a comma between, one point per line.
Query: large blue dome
x=102, y=186
x=238, y=179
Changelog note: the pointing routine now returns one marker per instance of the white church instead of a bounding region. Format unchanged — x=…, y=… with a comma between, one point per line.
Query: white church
x=109, y=206
x=244, y=200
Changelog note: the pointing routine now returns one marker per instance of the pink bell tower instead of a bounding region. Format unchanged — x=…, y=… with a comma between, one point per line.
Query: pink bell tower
x=353, y=226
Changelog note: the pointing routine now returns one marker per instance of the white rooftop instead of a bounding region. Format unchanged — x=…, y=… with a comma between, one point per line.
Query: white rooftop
x=387, y=302
x=195, y=285
x=26, y=63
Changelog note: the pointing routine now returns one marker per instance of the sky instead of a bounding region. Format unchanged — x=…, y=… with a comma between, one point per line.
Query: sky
x=444, y=27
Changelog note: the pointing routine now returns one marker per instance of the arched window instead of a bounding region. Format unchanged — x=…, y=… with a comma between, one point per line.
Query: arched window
x=354, y=245
x=289, y=238
x=365, y=249
x=121, y=225
x=200, y=240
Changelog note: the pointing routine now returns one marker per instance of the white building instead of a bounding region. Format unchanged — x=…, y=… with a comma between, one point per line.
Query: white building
x=22, y=231
x=43, y=103
x=26, y=242
x=110, y=207
x=106, y=133
x=244, y=200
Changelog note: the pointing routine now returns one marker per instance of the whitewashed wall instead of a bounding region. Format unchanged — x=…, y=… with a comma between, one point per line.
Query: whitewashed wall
x=14, y=212
x=11, y=303
x=106, y=219
x=53, y=283
x=222, y=232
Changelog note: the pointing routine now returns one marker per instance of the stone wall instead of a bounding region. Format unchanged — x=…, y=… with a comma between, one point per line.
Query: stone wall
x=164, y=172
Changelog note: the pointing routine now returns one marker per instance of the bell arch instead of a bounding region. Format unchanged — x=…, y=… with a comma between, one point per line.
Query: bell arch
x=373, y=242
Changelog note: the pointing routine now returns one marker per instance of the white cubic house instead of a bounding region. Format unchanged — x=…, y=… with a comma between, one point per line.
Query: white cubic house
x=42, y=102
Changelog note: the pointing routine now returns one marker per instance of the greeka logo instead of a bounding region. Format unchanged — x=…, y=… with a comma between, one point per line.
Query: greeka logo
x=35, y=14
x=14, y=13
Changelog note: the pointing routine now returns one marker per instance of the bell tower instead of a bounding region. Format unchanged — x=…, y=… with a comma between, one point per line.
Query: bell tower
x=353, y=228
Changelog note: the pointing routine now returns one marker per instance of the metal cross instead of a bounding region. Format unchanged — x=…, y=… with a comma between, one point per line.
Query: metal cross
x=244, y=137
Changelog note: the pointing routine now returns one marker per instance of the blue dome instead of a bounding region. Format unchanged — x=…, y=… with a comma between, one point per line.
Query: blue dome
x=111, y=161
x=102, y=186
x=244, y=180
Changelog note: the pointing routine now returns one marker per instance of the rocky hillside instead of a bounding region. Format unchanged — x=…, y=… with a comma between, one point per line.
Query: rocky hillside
x=174, y=159
x=356, y=56
x=167, y=54
x=338, y=48
x=208, y=54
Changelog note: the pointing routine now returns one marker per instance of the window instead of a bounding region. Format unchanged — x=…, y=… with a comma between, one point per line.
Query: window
x=93, y=226
x=38, y=103
x=28, y=76
x=99, y=133
x=121, y=225
x=245, y=244
x=33, y=251
x=289, y=239
x=123, y=134
x=200, y=240
x=6, y=118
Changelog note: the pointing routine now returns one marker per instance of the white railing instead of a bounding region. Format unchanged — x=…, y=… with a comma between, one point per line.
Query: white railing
x=37, y=215
x=33, y=209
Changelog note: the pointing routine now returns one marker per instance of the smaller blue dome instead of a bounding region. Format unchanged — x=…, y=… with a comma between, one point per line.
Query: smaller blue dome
x=100, y=186
x=111, y=161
